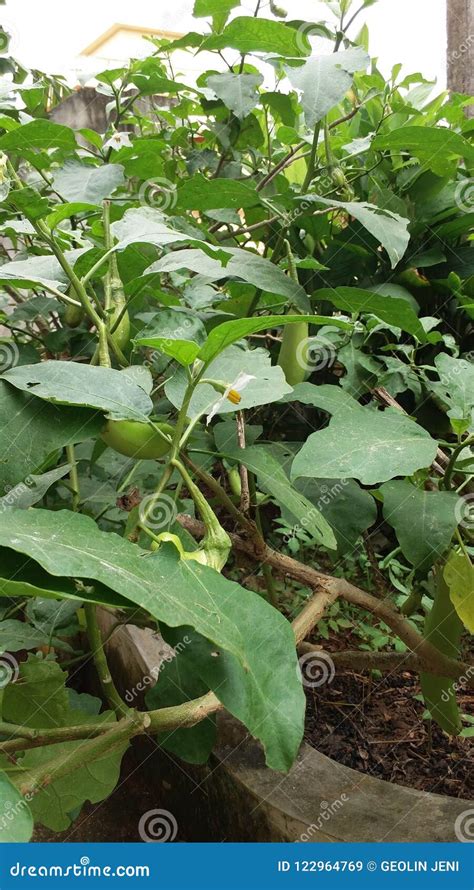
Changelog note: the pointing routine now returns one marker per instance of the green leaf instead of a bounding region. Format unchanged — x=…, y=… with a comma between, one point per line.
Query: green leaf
x=32, y=489
x=459, y=576
x=199, y=193
x=394, y=311
x=71, y=383
x=16, y=635
x=84, y=184
x=38, y=134
x=456, y=387
x=269, y=384
x=248, y=266
x=38, y=698
x=369, y=445
x=272, y=478
x=254, y=35
x=239, y=92
x=176, y=333
x=230, y=331
x=434, y=146
x=23, y=578
x=390, y=229
x=348, y=509
x=30, y=430
x=325, y=79
x=217, y=9
x=431, y=513
x=38, y=270
x=16, y=821
x=144, y=225
x=181, y=592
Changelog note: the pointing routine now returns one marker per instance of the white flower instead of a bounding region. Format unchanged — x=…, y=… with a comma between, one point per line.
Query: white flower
x=118, y=140
x=231, y=393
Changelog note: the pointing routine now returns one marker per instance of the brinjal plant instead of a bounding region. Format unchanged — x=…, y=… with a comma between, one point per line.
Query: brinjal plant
x=238, y=322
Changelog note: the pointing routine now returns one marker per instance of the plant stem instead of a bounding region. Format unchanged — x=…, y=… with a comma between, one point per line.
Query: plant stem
x=73, y=477
x=448, y=475
x=100, y=661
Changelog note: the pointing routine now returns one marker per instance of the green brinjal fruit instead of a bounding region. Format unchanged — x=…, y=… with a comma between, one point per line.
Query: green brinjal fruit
x=443, y=629
x=136, y=439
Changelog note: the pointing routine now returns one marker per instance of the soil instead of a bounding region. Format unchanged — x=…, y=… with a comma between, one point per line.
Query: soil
x=377, y=727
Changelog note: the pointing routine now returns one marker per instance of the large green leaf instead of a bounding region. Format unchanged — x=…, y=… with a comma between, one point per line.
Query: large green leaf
x=369, y=445
x=180, y=592
x=16, y=821
x=242, y=264
x=456, y=388
x=30, y=430
x=434, y=146
x=16, y=635
x=230, y=331
x=459, y=577
x=239, y=92
x=272, y=478
x=85, y=184
x=390, y=229
x=38, y=134
x=40, y=699
x=394, y=311
x=218, y=9
x=268, y=386
x=43, y=270
x=431, y=513
x=199, y=193
x=70, y=383
x=325, y=79
x=254, y=35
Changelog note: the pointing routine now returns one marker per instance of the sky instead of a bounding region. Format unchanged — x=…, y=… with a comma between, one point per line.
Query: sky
x=48, y=34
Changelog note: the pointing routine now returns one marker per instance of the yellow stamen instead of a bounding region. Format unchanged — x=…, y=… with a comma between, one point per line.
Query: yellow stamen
x=234, y=397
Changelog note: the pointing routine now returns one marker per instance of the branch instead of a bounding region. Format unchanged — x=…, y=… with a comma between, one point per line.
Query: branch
x=381, y=661
x=329, y=589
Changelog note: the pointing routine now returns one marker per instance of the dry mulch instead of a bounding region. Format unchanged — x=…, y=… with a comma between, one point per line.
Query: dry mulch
x=376, y=727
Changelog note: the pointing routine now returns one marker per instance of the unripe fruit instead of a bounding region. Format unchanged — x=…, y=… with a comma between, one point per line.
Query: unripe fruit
x=135, y=439
x=73, y=316
x=292, y=352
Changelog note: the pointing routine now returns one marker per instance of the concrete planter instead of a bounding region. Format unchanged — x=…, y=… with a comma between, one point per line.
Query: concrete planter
x=235, y=797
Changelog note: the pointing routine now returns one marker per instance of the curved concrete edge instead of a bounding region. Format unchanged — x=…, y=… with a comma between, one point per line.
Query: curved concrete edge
x=237, y=798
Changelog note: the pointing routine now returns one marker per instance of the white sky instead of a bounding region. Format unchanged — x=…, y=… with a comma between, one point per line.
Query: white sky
x=49, y=34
